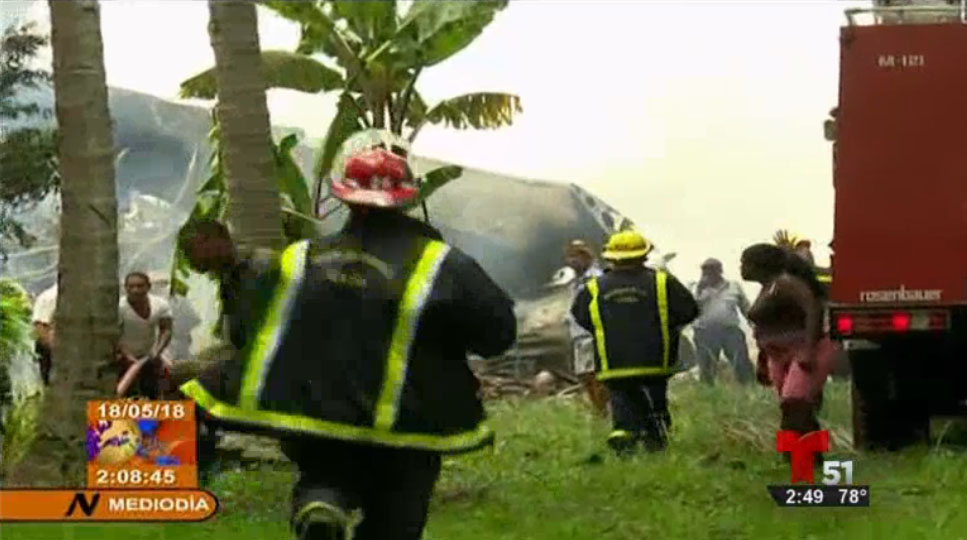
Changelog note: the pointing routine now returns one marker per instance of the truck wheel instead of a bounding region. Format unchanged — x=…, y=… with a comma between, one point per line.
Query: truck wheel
x=870, y=402
x=889, y=411
x=841, y=365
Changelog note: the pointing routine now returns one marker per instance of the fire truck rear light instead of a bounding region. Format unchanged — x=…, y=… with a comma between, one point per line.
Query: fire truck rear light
x=844, y=324
x=878, y=322
x=901, y=322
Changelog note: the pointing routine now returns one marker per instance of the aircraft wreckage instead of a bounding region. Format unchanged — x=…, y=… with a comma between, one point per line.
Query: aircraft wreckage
x=515, y=228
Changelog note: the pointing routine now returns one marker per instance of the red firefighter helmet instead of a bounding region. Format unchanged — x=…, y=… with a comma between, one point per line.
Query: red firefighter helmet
x=371, y=169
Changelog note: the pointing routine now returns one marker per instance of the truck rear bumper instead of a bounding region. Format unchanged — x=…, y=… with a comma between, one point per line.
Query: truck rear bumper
x=865, y=327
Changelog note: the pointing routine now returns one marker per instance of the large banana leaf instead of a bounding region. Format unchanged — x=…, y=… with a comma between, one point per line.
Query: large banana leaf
x=319, y=32
x=437, y=178
x=348, y=120
x=293, y=189
x=785, y=239
x=482, y=110
x=372, y=22
x=281, y=69
x=436, y=30
x=212, y=201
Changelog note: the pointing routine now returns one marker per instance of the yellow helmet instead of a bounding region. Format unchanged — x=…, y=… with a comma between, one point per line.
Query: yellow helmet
x=626, y=245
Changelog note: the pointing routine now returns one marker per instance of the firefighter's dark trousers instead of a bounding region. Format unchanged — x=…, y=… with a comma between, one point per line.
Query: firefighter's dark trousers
x=360, y=492
x=639, y=411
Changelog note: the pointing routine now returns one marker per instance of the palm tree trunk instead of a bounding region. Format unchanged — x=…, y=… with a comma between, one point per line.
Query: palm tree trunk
x=253, y=209
x=86, y=322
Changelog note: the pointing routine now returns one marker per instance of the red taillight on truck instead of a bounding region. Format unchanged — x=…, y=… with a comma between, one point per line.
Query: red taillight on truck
x=901, y=322
x=844, y=324
x=879, y=322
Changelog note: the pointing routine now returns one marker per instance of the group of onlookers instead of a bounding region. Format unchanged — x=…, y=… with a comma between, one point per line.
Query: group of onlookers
x=627, y=319
x=149, y=342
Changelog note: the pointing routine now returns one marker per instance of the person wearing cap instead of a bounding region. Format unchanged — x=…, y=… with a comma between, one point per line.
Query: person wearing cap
x=804, y=248
x=718, y=327
x=353, y=351
x=580, y=258
x=636, y=315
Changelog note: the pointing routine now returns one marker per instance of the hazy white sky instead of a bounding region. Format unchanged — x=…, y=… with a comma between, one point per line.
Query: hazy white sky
x=700, y=120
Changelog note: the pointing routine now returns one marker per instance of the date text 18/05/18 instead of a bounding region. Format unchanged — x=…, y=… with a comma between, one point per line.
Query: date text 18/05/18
x=815, y=495
x=140, y=410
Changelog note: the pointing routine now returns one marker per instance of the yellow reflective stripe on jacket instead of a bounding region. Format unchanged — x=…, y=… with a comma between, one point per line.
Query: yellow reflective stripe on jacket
x=417, y=291
x=661, y=287
x=622, y=373
x=595, y=310
x=456, y=442
x=824, y=278
x=267, y=340
x=661, y=284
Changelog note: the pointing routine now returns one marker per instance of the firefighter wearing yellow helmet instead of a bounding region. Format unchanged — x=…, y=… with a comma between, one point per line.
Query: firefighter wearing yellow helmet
x=353, y=351
x=636, y=315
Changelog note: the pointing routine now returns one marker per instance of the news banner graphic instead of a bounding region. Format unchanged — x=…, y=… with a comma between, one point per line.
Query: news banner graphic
x=141, y=466
x=837, y=489
x=141, y=444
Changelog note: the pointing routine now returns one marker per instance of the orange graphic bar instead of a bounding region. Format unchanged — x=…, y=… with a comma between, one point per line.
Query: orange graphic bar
x=106, y=505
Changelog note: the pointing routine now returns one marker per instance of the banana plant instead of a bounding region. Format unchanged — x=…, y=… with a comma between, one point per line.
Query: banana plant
x=784, y=239
x=373, y=54
x=212, y=201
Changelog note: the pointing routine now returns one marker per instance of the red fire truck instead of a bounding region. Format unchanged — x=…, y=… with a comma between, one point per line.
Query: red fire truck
x=898, y=301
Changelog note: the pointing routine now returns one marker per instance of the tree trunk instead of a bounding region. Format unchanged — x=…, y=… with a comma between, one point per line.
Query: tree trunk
x=86, y=321
x=253, y=212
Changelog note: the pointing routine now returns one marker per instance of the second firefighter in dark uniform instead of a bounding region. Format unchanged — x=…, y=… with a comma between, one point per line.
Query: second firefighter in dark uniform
x=354, y=353
x=636, y=315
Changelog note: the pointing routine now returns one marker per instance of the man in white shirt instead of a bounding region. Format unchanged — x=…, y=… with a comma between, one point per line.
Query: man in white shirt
x=580, y=258
x=43, y=318
x=146, y=328
x=718, y=328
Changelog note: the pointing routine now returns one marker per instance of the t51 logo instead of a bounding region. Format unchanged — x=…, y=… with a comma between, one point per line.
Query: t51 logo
x=802, y=451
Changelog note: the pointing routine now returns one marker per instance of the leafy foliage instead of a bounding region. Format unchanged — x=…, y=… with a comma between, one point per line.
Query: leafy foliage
x=435, y=31
x=28, y=155
x=785, y=239
x=16, y=337
x=281, y=69
x=348, y=120
x=437, y=178
x=483, y=110
x=18, y=48
x=212, y=201
x=381, y=54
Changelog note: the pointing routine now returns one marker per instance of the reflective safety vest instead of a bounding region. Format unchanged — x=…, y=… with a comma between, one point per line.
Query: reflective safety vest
x=648, y=362
x=261, y=394
x=825, y=278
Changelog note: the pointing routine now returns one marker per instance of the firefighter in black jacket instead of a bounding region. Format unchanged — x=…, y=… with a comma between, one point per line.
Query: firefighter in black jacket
x=636, y=316
x=353, y=351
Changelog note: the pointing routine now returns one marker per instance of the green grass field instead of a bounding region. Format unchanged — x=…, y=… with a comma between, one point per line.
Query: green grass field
x=550, y=478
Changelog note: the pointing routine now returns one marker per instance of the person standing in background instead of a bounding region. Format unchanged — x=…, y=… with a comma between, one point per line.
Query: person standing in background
x=636, y=315
x=787, y=320
x=718, y=328
x=579, y=257
x=43, y=319
x=146, y=328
